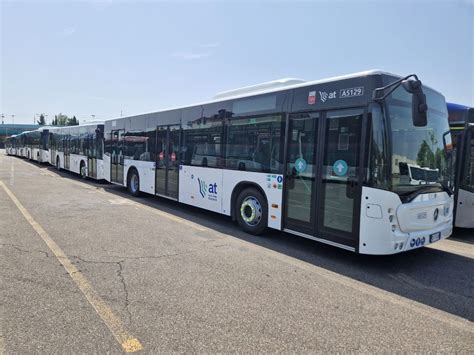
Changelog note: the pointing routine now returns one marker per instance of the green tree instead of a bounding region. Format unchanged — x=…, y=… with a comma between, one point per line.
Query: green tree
x=42, y=120
x=60, y=120
x=425, y=157
x=73, y=121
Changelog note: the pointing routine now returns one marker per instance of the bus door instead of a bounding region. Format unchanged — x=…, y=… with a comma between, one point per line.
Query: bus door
x=167, y=160
x=301, y=173
x=90, y=141
x=67, y=156
x=52, y=147
x=117, y=160
x=340, y=179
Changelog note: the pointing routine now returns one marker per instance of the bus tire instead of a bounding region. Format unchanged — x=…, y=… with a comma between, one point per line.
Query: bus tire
x=133, y=182
x=58, y=163
x=82, y=170
x=251, y=211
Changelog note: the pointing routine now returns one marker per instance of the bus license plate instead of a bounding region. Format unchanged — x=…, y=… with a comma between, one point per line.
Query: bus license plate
x=435, y=237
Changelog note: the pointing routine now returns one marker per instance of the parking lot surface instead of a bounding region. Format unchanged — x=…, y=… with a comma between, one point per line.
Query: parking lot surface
x=87, y=268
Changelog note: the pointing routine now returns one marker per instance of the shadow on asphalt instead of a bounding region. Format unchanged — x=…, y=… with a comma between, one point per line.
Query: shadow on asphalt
x=464, y=235
x=433, y=277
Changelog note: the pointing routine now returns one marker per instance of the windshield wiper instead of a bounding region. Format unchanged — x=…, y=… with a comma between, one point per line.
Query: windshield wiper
x=409, y=196
x=446, y=188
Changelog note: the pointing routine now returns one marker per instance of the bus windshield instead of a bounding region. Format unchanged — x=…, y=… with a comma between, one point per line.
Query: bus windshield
x=420, y=155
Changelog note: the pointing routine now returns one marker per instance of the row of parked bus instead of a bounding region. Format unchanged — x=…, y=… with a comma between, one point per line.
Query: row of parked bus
x=364, y=162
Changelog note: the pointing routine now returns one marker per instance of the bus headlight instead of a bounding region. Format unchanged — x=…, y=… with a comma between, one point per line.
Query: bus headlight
x=446, y=210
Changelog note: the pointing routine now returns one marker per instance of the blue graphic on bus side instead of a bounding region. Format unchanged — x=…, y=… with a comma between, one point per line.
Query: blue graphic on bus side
x=300, y=165
x=340, y=167
x=209, y=190
x=202, y=187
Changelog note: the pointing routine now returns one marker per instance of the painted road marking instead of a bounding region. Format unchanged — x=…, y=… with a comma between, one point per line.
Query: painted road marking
x=364, y=288
x=2, y=346
x=129, y=343
x=160, y=213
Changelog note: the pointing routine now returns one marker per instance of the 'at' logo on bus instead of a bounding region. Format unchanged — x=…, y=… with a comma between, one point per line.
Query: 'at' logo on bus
x=204, y=189
x=312, y=98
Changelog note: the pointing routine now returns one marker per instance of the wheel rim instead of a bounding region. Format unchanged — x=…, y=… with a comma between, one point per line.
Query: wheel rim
x=251, y=211
x=83, y=171
x=134, y=183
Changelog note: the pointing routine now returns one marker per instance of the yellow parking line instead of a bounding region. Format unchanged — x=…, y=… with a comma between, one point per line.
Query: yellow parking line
x=2, y=346
x=129, y=343
x=164, y=214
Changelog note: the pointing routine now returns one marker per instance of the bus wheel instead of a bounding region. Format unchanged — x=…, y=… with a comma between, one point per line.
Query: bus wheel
x=133, y=182
x=252, y=211
x=83, y=170
x=58, y=163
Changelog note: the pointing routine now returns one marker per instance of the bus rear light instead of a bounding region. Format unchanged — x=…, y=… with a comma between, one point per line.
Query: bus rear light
x=391, y=217
x=273, y=217
x=274, y=205
x=394, y=227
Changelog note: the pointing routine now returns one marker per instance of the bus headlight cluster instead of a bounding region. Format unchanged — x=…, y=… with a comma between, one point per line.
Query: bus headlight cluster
x=446, y=210
x=392, y=219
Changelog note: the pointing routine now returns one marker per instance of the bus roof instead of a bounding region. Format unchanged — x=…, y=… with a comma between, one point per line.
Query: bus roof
x=453, y=106
x=266, y=88
x=459, y=114
x=85, y=124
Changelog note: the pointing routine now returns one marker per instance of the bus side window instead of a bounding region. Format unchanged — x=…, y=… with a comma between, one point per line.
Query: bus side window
x=202, y=143
x=253, y=143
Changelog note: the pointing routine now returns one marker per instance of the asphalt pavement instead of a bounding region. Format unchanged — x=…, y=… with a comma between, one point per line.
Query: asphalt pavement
x=86, y=268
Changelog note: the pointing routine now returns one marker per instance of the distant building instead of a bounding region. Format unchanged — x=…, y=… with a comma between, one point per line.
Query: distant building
x=6, y=130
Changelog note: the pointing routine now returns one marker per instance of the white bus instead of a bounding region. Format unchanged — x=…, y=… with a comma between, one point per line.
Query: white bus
x=32, y=144
x=78, y=149
x=37, y=145
x=317, y=159
x=11, y=144
x=461, y=120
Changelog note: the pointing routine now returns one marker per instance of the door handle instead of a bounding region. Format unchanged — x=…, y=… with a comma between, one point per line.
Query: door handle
x=352, y=184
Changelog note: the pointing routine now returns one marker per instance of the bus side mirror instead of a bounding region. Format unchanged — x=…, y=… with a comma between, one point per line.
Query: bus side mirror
x=419, y=108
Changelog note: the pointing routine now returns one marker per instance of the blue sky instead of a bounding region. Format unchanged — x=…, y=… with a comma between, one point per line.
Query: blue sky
x=101, y=58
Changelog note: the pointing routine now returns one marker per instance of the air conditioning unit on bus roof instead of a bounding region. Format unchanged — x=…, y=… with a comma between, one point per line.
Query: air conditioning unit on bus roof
x=269, y=85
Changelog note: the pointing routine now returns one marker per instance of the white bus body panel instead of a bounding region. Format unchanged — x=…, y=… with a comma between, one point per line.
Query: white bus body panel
x=75, y=162
x=100, y=169
x=35, y=154
x=465, y=209
x=106, y=163
x=44, y=156
x=61, y=159
x=146, y=172
x=388, y=226
x=212, y=189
